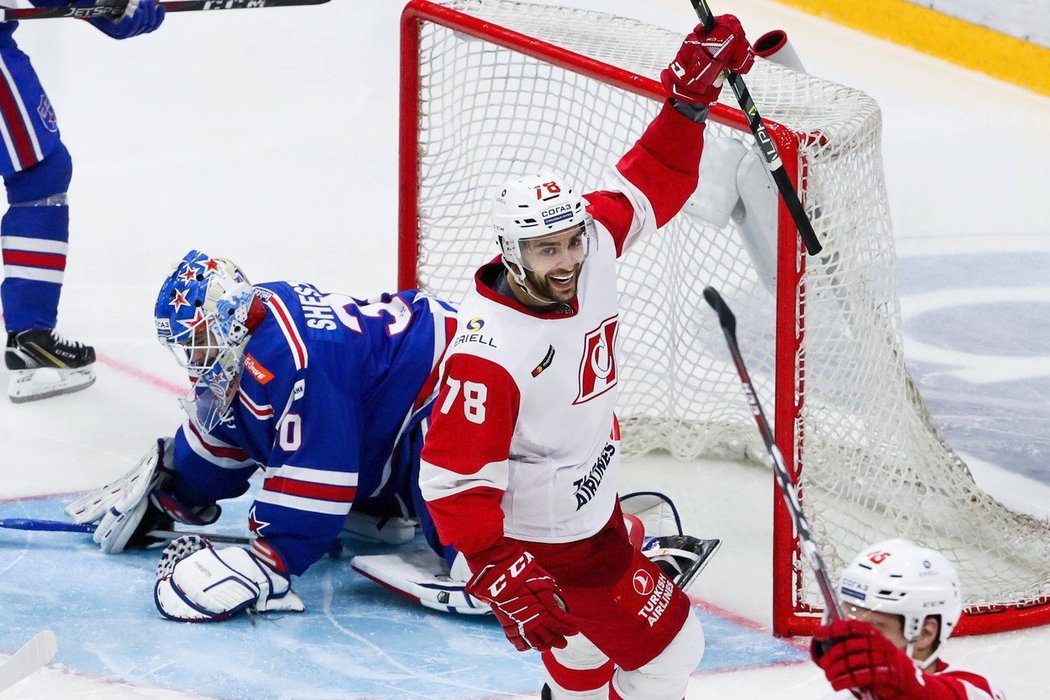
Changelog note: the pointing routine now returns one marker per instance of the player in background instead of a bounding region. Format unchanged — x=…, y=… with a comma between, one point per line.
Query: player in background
x=901, y=603
x=325, y=392
x=34, y=232
x=521, y=462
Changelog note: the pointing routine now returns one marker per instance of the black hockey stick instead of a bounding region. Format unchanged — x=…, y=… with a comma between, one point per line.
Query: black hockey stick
x=116, y=8
x=784, y=481
x=160, y=535
x=806, y=541
x=765, y=143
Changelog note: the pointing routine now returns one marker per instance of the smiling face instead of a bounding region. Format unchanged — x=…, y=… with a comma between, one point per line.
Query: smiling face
x=552, y=264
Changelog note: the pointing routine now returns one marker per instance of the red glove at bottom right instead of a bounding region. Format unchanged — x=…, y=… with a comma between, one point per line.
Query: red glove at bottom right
x=526, y=601
x=853, y=654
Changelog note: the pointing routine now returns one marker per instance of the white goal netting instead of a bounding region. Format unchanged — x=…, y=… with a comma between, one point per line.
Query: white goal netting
x=871, y=464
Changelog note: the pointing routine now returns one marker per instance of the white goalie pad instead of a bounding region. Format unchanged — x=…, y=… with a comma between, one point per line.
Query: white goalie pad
x=420, y=576
x=756, y=216
x=654, y=511
x=681, y=557
x=44, y=382
x=716, y=194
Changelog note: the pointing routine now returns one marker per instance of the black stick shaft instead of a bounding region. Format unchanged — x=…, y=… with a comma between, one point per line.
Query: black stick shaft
x=787, y=486
x=766, y=144
x=62, y=526
x=116, y=9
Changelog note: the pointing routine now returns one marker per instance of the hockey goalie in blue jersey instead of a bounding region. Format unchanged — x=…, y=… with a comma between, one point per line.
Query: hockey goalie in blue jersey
x=326, y=393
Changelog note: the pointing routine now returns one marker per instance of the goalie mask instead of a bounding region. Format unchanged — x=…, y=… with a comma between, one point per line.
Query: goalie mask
x=201, y=316
x=898, y=577
x=541, y=223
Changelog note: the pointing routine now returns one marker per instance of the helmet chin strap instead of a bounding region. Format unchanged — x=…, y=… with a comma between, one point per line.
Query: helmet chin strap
x=520, y=280
x=910, y=651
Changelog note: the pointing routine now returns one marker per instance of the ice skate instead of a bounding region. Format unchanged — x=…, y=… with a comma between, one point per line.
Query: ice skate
x=43, y=363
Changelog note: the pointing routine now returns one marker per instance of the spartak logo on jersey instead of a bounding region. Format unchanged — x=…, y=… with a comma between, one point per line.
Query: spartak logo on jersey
x=598, y=365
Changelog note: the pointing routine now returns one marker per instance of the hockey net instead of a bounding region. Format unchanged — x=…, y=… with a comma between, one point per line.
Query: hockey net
x=492, y=88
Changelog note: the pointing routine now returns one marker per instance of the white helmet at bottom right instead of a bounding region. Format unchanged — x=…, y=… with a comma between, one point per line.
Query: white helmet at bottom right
x=898, y=577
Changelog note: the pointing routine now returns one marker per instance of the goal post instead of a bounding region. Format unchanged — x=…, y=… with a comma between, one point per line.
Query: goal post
x=490, y=88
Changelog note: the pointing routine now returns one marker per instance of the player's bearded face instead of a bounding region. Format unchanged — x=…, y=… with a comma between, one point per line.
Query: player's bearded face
x=553, y=263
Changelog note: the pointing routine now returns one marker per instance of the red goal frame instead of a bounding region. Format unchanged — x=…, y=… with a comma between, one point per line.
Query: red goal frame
x=791, y=614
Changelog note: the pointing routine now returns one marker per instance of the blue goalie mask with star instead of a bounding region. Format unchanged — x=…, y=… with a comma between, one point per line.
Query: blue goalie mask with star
x=201, y=316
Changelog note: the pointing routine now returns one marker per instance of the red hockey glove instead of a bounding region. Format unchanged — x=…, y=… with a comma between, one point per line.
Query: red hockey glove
x=695, y=74
x=526, y=601
x=854, y=654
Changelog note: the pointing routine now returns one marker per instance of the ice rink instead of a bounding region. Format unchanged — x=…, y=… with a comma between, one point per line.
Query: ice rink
x=270, y=137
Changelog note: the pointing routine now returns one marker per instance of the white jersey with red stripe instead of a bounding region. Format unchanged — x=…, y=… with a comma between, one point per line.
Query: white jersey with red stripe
x=329, y=386
x=947, y=683
x=523, y=442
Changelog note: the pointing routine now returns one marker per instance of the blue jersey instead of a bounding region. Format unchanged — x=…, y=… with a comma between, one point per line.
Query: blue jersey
x=329, y=389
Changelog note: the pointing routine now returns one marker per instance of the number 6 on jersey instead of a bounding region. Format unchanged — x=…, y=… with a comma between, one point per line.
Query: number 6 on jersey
x=474, y=395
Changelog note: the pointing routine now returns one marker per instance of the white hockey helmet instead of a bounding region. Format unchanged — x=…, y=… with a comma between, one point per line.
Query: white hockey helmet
x=898, y=577
x=533, y=206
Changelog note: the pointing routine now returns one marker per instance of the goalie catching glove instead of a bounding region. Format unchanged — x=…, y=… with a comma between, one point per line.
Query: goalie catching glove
x=526, y=601
x=198, y=583
x=695, y=75
x=136, y=503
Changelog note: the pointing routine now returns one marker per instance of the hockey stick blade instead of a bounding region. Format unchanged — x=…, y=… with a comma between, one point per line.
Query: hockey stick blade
x=34, y=655
x=116, y=9
x=725, y=317
x=765, y=144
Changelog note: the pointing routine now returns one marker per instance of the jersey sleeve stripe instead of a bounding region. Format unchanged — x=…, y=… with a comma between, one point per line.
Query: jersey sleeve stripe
x=437, y=482
x=317, y=476
x=260, y=411
x=291, y=333
x=309, y=505
x=214, y=451
x=307, y=489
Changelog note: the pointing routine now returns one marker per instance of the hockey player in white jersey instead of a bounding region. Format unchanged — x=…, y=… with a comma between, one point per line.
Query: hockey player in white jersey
x=901, y=603
x=520, y=465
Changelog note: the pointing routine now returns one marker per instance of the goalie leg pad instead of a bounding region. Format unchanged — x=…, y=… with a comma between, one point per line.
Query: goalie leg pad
x=423, y=577
x=681, y=557
x=383, y=530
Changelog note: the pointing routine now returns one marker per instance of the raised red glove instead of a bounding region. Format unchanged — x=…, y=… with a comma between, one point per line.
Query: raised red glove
x=695, y=74
x=526, y=601
x=853, y=654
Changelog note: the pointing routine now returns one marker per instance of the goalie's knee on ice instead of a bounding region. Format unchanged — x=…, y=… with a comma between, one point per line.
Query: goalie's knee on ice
x=48, y=178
